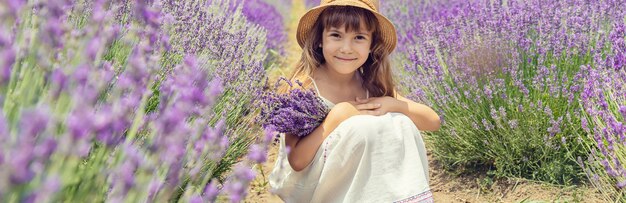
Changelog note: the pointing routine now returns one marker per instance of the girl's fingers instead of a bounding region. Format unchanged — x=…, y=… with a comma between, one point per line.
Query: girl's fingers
x=362, y=101
x=367, y=106
x=370, y=112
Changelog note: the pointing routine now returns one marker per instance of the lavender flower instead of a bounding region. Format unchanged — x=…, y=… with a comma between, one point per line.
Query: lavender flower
x=211, y=191
x=33, y=122
x=236, y=189
x=7, y=59
x=258, y=153
x=513, y=124
x=296, y=112
x=262, y=13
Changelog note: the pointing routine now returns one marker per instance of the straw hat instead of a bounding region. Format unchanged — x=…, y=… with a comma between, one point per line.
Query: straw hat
x=387, y=30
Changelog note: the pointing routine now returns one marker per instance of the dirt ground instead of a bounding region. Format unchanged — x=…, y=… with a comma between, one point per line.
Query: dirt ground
x=452, y=188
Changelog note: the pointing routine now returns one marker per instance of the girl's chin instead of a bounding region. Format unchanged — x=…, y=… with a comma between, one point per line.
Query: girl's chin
x=345, y=71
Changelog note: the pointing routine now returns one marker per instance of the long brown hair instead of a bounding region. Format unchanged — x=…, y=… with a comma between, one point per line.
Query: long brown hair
x=376, y=71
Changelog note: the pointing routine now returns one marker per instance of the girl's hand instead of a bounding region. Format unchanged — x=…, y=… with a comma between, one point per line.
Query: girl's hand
x=377, y=105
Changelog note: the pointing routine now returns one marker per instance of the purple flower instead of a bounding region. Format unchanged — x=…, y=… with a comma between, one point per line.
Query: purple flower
x=45, y=149
x=502, y=112
x=494, y=114
x=244, y=173
x=257, y=153
x=236, y=191
x=150, y=16
x=80, y=122
x=556, y=126
x=4, y=128
x=211, y=191
x=7, y=58
x=488, y=92
x=475, y=126
x=621, y=184
x=54, y=31
x=93, y=47
x=20, y=163
x=488, y=126
x=513, y=124
x=296, y=112
x=124, y=176
x=195, y=199
x=15, y=6
x=262, y=13
x=153, y=188
x=237, y=185
x=59, y=81
x=269, y=133
x=33, y=122
x=584, y=123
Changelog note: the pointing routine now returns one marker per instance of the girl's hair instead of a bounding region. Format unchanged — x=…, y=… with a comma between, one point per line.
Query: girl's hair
x=376, y=71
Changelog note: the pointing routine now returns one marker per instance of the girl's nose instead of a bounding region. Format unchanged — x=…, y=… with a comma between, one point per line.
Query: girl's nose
x=346, y=47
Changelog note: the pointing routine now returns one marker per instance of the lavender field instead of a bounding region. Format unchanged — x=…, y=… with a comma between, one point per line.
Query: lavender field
x=153, y=101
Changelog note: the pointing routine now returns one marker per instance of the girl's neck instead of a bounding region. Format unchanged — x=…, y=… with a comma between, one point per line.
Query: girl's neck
x=337, y=79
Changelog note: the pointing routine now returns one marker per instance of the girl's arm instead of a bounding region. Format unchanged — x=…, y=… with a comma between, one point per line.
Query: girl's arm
x=302, y=150
x=422, y=116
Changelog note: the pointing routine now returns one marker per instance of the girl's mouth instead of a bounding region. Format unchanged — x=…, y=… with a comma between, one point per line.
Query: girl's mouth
x=342, y=59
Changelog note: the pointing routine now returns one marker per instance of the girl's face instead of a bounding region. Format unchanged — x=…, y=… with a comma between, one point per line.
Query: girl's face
x=343, y=51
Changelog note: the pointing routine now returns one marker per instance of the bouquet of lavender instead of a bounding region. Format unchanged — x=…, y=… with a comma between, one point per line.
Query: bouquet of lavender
x=298, y=111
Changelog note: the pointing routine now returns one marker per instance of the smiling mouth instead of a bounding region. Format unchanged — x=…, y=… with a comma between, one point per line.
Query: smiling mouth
x=345, y=59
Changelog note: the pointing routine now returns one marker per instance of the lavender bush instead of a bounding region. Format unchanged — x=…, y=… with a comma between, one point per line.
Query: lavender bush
x=298, y=111
x=230, y=47
x=603, y=98
x=509, y=80
x=125, y=101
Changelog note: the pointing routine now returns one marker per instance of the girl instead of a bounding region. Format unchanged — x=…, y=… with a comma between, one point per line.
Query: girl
x=369, y=148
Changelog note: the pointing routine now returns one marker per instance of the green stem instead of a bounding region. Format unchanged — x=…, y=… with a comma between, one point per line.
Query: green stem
x=139, y=116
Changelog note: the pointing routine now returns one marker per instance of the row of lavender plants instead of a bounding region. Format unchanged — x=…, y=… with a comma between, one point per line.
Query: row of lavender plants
x=528, y=88
x=124, y=100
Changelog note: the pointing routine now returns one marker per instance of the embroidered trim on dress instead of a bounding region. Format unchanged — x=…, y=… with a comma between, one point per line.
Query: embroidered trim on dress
x=424, y=197
x=326, y=148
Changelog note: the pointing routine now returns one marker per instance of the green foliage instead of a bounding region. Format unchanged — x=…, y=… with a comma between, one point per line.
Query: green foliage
x=517, y=144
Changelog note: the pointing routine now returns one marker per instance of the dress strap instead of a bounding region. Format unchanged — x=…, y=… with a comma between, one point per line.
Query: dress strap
x=316, y=89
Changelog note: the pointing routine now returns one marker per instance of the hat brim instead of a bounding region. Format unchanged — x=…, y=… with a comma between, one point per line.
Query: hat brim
x=387, y=30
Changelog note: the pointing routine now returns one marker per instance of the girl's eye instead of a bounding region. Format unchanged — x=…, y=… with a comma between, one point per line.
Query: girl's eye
x=360, y=37
x=334, y=35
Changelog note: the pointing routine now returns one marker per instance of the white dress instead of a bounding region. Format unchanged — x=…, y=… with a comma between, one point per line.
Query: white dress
x=365, y=159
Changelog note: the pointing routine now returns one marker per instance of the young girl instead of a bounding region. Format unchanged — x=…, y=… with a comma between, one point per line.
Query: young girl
x=369, y=147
